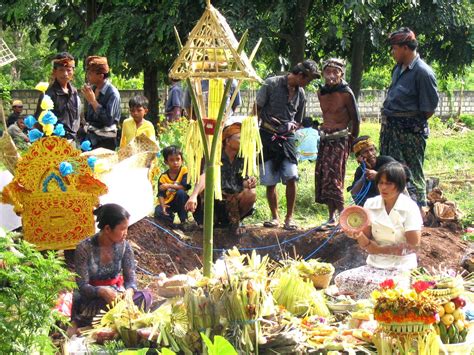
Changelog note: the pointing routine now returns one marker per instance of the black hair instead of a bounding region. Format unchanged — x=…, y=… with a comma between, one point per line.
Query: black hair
x=171, y=150
x=308, y=68
x=138, y=101
x=394, y=172
x=111, y=215
x=412, y=44
x=307, y=122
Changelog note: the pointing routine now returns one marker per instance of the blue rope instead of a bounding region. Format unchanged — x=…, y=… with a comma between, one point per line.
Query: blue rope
x=333, y=233
x=241, y=249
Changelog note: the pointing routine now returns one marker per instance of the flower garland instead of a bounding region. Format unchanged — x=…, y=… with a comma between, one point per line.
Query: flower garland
x=396, y=305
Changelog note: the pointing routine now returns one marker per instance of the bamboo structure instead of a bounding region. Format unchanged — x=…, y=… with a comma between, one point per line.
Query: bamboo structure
x=212, y=52
x=8, y=153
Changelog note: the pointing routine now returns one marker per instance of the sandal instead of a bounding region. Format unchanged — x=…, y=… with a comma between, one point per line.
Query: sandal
x=328, y=225
x=274, y=223
x=290, y=225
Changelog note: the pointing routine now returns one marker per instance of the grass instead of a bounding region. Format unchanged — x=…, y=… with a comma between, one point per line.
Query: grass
x=449, y=156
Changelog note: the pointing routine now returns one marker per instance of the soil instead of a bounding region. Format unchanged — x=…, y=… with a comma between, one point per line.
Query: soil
x=156, y=251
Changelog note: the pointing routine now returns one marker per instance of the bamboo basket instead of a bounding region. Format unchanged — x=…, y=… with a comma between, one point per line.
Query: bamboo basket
x=321, y=281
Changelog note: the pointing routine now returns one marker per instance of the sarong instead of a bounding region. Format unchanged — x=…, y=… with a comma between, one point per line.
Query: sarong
x=330, y=171
x=407, y=148
x=361, y=281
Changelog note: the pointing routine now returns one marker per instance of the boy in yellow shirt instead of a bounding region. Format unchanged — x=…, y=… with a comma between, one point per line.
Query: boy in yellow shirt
x=137, y=124
x=172, y=187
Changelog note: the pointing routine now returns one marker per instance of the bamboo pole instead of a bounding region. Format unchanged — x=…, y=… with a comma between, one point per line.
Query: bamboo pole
x=210, y=173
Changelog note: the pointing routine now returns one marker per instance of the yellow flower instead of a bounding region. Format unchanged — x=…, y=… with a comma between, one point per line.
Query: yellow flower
x=375, y=294
x=47, y=103
x=48, y=129
x=40, y=118
x=42, y=86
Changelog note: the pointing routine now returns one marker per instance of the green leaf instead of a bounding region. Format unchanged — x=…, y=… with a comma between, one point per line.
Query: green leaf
x=223, y=346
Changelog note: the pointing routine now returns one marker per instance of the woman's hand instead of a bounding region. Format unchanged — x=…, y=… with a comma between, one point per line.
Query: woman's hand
x=129, y=292
x=108, y=294
x=191, y=204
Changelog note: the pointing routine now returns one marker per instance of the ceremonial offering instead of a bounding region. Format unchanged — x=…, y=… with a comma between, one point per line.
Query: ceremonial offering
x=354, y=219
x=320, y=273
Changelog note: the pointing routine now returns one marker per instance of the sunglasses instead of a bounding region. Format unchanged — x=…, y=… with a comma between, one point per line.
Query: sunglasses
x=18, y=106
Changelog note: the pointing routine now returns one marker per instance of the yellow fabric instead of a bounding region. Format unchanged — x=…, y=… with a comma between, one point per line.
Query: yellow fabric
x=359, y=146
x=165, y=179
x=130, y=131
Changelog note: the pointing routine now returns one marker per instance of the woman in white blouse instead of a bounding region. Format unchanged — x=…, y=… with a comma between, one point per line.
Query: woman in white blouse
x=391, y=239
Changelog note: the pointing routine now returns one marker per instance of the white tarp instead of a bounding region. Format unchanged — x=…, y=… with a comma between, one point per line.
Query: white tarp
x=8, y=219
x=129, y=187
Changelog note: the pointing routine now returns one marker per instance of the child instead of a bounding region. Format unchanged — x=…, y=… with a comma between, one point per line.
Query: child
x=172, y=187
x=136, y=125
x=307, y=140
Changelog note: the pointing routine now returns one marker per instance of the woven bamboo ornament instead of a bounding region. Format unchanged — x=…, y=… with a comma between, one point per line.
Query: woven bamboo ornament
x=56, y=210
x=8, y=153
x=211, y=52
x=6, y=55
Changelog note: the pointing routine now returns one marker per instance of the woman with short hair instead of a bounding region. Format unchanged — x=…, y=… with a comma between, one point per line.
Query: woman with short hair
x=390, y=240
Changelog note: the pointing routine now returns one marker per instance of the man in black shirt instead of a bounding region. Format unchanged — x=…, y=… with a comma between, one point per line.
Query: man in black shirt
x=238, y=193
x=17, y=108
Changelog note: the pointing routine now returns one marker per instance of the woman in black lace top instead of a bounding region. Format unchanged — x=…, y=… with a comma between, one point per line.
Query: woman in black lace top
x=105, y=265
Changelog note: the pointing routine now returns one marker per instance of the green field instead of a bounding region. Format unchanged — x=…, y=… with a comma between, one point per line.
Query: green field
x=449, y=156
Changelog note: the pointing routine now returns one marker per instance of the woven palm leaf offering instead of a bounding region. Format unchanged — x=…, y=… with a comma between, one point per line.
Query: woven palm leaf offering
x=406, y=318
x=53, y=189
x=213, y=53
x=318, y=272
x=354, y=219
x=448, y=287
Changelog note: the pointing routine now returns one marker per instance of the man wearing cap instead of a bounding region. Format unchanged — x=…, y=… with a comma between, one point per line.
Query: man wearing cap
x=238, y=193
x=411, y=99
x=280, y=106
x=103, y=104
x=340, y=126
x=17, y=108
x=64, y=95
x=363, y=186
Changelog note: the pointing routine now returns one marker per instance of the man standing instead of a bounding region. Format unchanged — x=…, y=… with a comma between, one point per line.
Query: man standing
x=340, y=126
x=65, y=96
x=103, y=104
x=17, y=109
x=174, y=104
x=411, y=99
x=280, y=107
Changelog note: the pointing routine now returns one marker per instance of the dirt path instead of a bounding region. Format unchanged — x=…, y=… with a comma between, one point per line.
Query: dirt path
x=156, y=251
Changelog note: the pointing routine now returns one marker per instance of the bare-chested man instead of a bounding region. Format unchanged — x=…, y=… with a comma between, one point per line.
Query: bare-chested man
x=340, y=125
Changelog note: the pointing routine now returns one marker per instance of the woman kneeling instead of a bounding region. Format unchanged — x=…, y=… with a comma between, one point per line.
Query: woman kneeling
x=391, y=240
x=99, y=261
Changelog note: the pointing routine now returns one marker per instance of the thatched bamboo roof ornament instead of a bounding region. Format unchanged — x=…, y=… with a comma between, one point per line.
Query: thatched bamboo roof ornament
x=211, y=51
x=8, y=153
x=6, y=55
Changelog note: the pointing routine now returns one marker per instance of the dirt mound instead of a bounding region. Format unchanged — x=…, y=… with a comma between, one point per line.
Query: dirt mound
x=157, y=251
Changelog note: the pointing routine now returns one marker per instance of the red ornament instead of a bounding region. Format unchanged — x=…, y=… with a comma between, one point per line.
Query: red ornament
x=387, y=284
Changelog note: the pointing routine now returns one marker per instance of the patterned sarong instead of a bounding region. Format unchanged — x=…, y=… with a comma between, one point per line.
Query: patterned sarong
x=330, y=171
x=407, y=148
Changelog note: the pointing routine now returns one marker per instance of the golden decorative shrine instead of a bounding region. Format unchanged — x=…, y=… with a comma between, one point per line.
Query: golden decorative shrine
x=56, y=210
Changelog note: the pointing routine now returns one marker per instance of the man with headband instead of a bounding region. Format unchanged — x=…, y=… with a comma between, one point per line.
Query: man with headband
x=411, y=99
x=64, y=95
x=363, y=186
x=238, y=193
x=280, y=106
x=340, y=126
x=103, y=104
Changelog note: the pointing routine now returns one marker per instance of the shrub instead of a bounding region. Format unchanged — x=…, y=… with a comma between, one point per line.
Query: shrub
x=467, y=119
x=30, y=283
